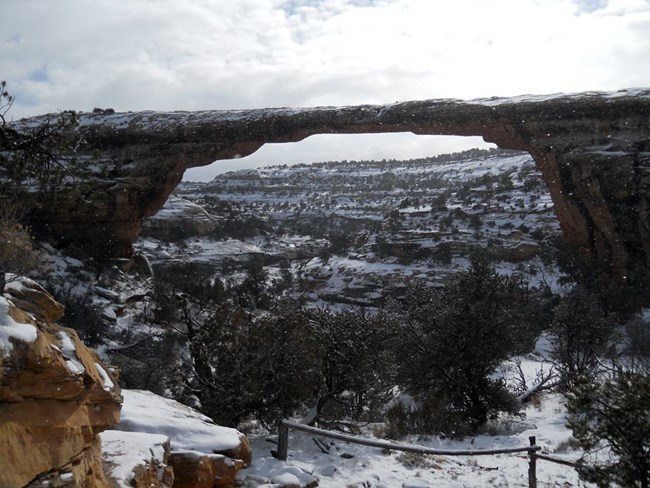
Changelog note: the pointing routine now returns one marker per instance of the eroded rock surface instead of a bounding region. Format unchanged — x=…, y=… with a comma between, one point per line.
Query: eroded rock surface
x=179, y=218
x=55, y=396
x=199, y=470
x=137, y=460
x=202, y=454
x=592, y=148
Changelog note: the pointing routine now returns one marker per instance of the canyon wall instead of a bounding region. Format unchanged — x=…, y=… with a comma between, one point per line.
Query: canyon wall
x=593, y=150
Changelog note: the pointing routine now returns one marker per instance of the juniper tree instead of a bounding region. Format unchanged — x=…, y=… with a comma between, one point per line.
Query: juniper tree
x=581, y=335
x=451, y=340
x=610, y=418
x=356, y=368
x=266, y=368
x=38, y=155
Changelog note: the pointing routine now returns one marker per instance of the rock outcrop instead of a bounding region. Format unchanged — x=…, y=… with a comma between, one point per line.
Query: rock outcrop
x=199, y=470
x=137, y=460
x=200, y=453
x=592, y=148
x=178, y=219
x=55, y=396
x=58, y=402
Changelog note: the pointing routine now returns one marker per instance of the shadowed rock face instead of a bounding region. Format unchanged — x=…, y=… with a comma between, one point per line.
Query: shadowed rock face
x=593, y=150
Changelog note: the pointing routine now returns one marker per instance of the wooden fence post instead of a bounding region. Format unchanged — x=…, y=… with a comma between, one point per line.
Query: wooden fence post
x=283, y=441
x=532, y=464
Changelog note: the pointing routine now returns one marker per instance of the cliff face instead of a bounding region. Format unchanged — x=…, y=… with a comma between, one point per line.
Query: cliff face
x=592, y=148
x=55, y=396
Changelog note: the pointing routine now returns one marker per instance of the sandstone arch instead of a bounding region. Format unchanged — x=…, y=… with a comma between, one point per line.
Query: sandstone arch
x=593, y=150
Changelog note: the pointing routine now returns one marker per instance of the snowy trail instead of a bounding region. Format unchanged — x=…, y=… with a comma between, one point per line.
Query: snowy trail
x=350, y=465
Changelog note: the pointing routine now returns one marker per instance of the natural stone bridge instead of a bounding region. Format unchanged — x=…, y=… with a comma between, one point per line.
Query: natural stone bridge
x=593, y=150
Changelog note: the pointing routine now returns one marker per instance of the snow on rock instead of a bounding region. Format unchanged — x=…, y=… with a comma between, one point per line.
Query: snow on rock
x=328, y=470
x=107, y=382
x=179, y=217
x=286, y=480
x=10, y=330
x=108, y=294
x=416, y=484
x=69, y=351
x=109, y=314
x=199, y=449
x=17, y=283
x=144, y=411
x=52, y=398
x=194, y=469
x=136, y=459
x=32, y=298
x=177, y=207
x=268, y=471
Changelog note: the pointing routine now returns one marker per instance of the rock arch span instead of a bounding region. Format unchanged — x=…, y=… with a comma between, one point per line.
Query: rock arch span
x=593, y=150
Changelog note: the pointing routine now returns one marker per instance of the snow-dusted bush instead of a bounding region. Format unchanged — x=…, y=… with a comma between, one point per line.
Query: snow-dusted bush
x=84, y=316
x=637, y=339
x=581, y=335
x=618, y=299
x=266, y=368
x=610, y=418
x=17, y=252
x=155, y=363
x=38, y=157
x=449, y=342
x=34, y=161
x=356, y=367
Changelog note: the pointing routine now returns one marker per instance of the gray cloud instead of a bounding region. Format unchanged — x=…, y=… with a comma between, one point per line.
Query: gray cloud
x=589, y=6
x=209, y=54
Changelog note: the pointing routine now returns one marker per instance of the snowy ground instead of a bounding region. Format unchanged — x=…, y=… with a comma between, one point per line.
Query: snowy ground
x=349, y=465
x=371, y=467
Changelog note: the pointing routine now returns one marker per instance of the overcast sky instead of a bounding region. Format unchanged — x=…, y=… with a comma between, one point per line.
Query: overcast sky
x=227, y=54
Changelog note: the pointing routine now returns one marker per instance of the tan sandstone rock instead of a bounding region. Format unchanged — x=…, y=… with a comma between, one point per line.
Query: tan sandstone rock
x=199, y=470
x=55, y=396
x=137, y=460
x=31, y=297
x=203, y=454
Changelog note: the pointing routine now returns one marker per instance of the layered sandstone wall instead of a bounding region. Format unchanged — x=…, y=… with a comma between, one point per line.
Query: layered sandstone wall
x=593, y=150
x=55, y=396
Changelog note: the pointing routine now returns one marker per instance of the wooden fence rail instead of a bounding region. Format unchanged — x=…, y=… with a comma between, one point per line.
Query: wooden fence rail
x=285, y=425
x=556, y=460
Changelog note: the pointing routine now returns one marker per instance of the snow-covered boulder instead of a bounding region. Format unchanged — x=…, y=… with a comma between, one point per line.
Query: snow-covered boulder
x=179, y=218
x=269, y=472
x=137, y=460
x=33, y=298
x=203, y=454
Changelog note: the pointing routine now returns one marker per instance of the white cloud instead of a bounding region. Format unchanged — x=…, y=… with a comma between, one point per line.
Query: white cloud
x=200, y=54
